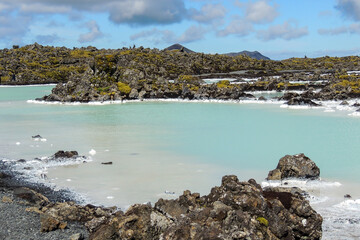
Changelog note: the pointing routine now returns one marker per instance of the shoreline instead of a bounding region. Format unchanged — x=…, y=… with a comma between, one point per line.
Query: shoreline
x=164, y=211
x=19, y=201
x=327, y=106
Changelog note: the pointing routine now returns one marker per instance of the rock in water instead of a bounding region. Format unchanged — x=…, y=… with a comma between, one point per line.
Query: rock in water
x=66, y=154
x=107, y=163
x=295, y=166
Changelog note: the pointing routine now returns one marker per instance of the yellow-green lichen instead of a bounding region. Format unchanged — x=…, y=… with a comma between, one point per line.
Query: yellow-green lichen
x=263, y=221
x=124, y=88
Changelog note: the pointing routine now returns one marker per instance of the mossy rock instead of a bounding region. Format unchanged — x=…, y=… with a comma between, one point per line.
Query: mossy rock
x=263, y=221
x=124, y=88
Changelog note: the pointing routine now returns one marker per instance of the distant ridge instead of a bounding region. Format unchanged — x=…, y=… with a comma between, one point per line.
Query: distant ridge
x=254, y=54
x=179, y=47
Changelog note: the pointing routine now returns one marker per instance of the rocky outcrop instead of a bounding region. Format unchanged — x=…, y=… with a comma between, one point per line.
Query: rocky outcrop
x=65, y=154
x=89, y=74
x=31, y=196
x=295, y=166
x=235, y=210
x=300, y=99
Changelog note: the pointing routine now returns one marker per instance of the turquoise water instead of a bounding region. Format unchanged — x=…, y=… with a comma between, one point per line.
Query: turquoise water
x=173, y=146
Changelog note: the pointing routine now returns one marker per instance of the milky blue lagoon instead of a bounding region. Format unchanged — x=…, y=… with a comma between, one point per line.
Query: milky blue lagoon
x=159, y=148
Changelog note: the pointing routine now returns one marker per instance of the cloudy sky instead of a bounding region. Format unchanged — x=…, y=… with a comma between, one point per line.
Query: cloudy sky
x=277, y=28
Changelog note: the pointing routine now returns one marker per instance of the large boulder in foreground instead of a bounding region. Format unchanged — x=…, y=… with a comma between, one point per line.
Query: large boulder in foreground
x=235, y=210
x=295, y=166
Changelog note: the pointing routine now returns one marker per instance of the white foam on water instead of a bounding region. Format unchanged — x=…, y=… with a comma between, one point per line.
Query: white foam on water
x=32, y=85
x=92, y=152
x=342, y=220
x=34, y=170
x=295, y=106
x=329, y=110
x=110, y=197
x=68, y=180
x=18, y=143
x=328, y=106
x=215, y=80
x=43, y=140
x=354, y=114
x=350, y=205
x=303, y=184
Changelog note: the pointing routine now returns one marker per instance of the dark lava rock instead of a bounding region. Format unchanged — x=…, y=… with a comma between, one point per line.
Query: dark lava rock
x=3, y=175
x=36, y=136
x=30, y=195
x=66, y=154
x=21, y=161
x=344, y=103
x=235, y=210
x=295, y=166
x=262, y=98
x=107, y=163
x=302, y=101
x=347, y=196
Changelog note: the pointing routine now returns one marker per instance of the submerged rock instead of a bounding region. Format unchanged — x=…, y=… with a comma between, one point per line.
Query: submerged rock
x=295, y=166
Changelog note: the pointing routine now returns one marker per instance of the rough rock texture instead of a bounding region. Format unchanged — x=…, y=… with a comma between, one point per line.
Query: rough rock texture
x=19, y=220
x=295, y=166
x=66, y=154
x=31, y=196
x=235, y=210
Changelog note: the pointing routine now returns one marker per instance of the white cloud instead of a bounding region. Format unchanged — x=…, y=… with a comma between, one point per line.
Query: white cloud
x=237, y=27
x=93, y=34
x=193, y=33
x=43, y=8
x=135, y=12
x=155, y=36
x=259, y=11
x=47, y=39
x=349, y=8
x=146, y=12
x=208, y=13
x=333, y=31
x=284, y=31
x=352, y=28
x=13, y=27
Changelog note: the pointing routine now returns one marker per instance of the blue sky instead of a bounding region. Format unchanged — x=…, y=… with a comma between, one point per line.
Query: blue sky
x=277, y=28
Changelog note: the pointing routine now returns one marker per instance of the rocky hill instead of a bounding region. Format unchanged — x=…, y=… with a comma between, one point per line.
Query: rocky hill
x=254, y=54
x=179, y=47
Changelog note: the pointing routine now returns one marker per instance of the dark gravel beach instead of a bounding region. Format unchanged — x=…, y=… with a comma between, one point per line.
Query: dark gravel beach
x=18, y=218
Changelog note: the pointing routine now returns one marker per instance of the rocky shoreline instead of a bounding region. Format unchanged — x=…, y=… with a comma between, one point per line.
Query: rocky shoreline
x=90, y=74
x=234, y=210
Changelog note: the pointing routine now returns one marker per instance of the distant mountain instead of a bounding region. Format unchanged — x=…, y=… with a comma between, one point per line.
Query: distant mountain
x=254, y=54
x=179, y=47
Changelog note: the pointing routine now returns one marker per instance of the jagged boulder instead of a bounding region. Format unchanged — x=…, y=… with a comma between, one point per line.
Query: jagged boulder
x=65, y=154
x=295, y=166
